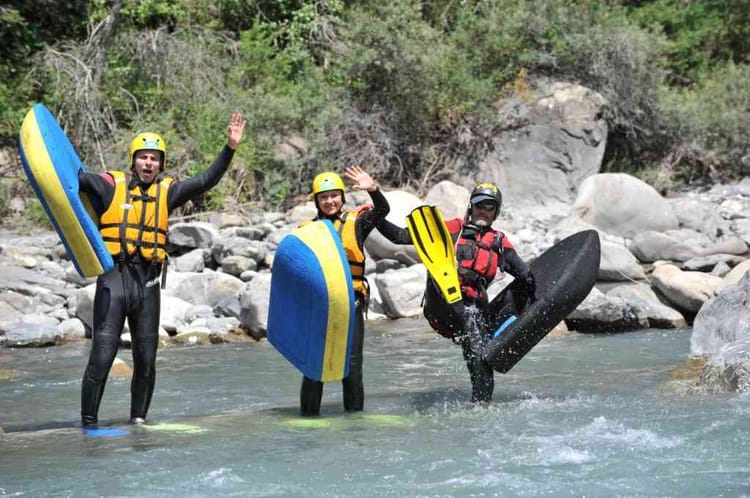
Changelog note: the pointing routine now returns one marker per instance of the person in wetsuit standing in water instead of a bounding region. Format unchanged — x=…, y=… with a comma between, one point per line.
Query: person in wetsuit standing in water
x=133, y=214
x=328, y=192
x=481, y=252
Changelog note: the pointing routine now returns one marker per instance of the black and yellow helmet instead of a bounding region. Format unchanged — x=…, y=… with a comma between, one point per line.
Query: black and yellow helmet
x=149, y=141
x=486, y=192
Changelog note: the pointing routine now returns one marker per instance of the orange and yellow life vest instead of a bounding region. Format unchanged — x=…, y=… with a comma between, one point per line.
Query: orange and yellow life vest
x=355, y=256
x=137, y=220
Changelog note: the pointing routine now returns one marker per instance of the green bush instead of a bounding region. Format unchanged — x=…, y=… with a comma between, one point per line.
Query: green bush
x=712, y=123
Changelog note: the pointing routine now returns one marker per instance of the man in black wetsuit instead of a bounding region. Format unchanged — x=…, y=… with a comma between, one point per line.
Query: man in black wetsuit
x=481, y=252
x=353, y=227
x=133, y=215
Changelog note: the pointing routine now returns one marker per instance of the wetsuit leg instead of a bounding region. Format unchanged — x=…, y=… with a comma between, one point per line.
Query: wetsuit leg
x=144, y=330
x=500, y=309
x=354, y=390
x=310, y=396
x=472, y=344
x=109, y=316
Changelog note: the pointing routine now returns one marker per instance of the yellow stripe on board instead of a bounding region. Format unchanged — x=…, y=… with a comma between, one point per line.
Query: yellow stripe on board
x=337, y=330
x=40, y=163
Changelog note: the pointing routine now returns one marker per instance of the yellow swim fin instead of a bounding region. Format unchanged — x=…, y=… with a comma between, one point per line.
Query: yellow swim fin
x=434, y=246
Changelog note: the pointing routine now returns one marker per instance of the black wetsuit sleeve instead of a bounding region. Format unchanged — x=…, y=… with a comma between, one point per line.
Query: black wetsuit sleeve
x=368, y=220
x=514, y=264
x=182, y=191
x=394, y=233
x=98, y=190
x=517, y=267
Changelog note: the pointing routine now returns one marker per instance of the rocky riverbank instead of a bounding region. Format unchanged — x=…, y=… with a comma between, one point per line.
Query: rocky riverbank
x=662, y=261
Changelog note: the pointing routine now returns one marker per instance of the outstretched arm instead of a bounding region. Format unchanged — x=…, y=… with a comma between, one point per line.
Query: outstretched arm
x=183, y=191
x=394, y=233
x=367, y=220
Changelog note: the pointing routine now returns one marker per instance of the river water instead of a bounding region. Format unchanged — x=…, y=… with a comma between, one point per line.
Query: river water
x=581, y=415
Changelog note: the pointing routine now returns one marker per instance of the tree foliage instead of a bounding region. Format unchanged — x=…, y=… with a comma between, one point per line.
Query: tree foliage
x=403, y=88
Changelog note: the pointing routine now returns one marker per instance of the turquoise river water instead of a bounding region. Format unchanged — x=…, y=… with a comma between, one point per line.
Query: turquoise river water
x=581, y=415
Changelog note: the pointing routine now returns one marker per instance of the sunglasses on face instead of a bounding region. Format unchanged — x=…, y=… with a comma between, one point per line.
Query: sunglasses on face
x=486, y=206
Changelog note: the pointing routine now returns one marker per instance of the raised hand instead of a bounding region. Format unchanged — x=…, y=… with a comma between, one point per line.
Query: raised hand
x=362, y=180
x=235, y=130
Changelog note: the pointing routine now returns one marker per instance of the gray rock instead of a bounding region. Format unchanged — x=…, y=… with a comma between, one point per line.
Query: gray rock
x=721, y=269
x=377, y=246
x=72, y=329
x=623, y=205
x=708, y=263
x=402, y=291
x=737, y=273
x=239, y=246
x=202, y=288
x=245, y=232
x=741, y=227
x=30, y=335
x=618, y=263
x=237, y=265
x=699, y=215
x=192, y=235
x=254, y=302
x=721, y=332
x=600, y=312
x=686, y=290
x=450, y=199
x=559, y=140
x=650, y=246
x=646, y=305
x=193, y=261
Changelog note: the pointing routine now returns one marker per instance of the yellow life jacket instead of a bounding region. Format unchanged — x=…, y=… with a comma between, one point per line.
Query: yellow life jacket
x=137, y=220
x=355, y=256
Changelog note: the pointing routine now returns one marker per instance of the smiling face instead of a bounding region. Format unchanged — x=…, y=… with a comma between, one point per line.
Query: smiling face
x=147, y=163
x=483, y=213
x=330, y=202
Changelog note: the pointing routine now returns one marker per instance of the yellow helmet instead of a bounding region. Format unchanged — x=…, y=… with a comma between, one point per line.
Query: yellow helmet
x=328, y=180
x=149, y=141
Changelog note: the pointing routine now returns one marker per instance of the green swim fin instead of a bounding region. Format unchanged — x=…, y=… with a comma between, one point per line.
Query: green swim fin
x=434, y=246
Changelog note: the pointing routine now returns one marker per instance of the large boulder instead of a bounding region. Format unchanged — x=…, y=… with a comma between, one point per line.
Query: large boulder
x=451, y=199
x=721, y=332
x=687, y=290
x=559, y=139
x=402, y=290
x=623, y=205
